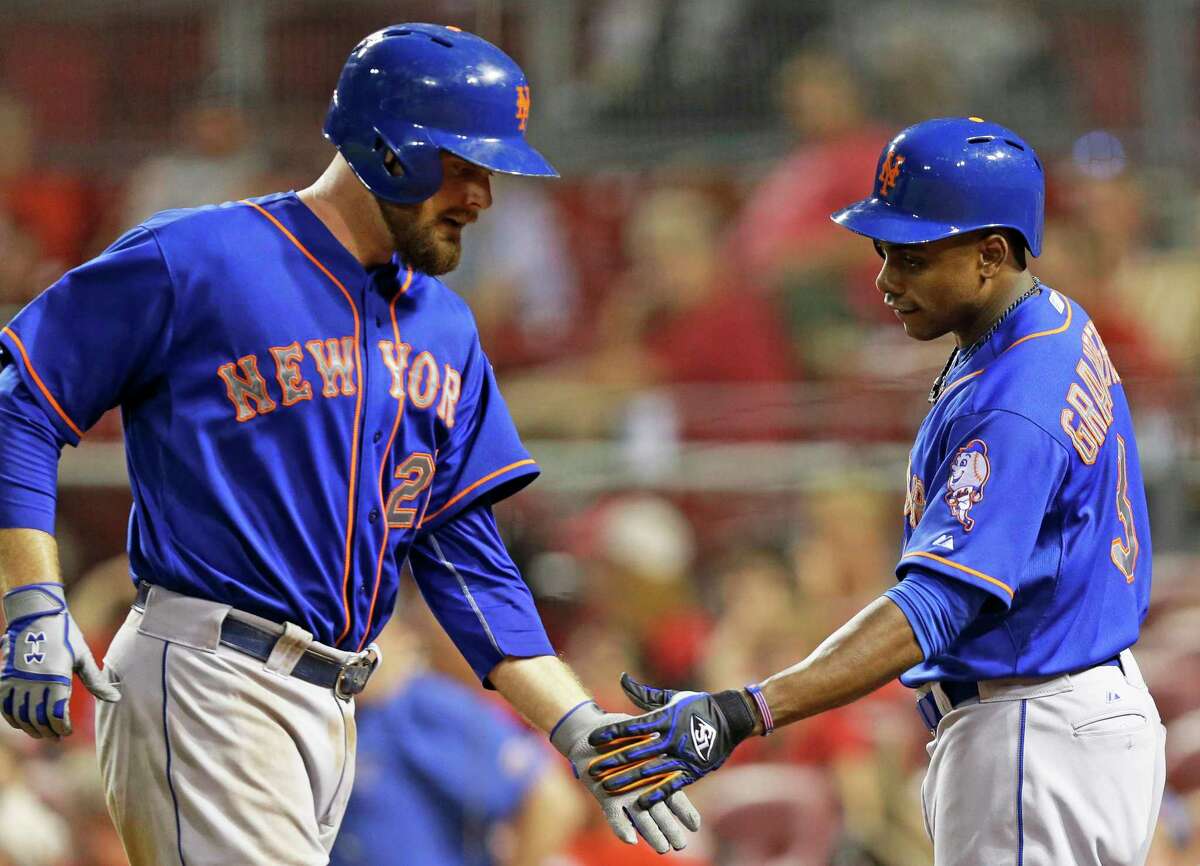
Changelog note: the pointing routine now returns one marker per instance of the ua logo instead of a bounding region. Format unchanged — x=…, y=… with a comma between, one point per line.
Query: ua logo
x=889, y=172
x=35, y=656
x=704, y=736
x=523, y=105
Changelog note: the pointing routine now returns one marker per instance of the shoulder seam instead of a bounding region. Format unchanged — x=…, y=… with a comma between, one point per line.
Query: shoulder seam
x=996, y=409
x=162, y=256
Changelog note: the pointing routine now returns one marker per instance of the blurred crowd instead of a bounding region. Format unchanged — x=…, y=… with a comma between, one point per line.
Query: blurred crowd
x=692, y=302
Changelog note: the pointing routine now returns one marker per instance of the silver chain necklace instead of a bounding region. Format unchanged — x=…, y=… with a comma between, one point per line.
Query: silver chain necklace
x=960, y=355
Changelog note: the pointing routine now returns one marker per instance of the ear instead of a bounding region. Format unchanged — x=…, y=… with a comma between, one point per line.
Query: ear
x=993, y=252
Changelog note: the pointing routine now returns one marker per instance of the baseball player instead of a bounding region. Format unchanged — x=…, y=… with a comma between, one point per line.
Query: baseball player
x=1025, y=569
x=305, y=407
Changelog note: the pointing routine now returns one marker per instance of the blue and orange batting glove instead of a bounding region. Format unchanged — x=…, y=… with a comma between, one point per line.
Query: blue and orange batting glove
x=683, y=737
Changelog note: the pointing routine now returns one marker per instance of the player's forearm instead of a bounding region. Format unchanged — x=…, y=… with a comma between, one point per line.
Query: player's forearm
x=27, y=556
x=873, y=648
x=542, y=689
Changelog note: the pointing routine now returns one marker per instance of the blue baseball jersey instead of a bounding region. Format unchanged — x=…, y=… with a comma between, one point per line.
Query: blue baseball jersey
x=294, y=423
x=1024, y=481
x=438, y=769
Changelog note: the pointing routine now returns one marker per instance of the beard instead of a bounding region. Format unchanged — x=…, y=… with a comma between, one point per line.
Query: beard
x=419, y=239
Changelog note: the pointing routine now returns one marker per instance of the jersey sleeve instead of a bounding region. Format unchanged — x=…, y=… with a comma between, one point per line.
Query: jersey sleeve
x=938, y=608
x=477, y=593
x=29, y=451
x=987, y=502
x=91, y=339
x=484, y=460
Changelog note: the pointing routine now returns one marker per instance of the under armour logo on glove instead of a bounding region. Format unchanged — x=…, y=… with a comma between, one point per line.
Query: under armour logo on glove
x=35, y=656
x=42, y=634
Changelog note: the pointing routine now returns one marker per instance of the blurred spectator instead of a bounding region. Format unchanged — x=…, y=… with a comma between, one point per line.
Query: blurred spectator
x=31, y=834
x=519, y=278
x=1097, y=251
x=783, y=240
x=639, y=553
x=46, y=213
x=677, y=316
x=684, y=59
x=216, y=159
x=444, y=777
x=938, y=59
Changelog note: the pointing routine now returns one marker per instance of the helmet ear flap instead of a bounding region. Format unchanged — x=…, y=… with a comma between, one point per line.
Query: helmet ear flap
x=404, y=172
x=412, y=168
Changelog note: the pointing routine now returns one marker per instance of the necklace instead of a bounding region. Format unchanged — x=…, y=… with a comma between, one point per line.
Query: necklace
x=958, y=355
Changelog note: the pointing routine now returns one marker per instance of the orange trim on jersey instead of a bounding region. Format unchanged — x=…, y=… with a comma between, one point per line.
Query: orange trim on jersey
x=959, y=381
x=1049, y=333
x=42, y=385
x=484, y=480
x=1033, y=336
x=1004, y=586
x=382, y=469
x=408, y=274
x=357, y=409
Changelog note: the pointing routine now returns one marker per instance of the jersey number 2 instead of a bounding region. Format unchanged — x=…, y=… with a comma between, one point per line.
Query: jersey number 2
x=1124, y=552
x=415, y=473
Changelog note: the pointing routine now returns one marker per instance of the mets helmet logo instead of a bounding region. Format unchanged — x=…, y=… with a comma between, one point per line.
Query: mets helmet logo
x=969, y=473
x=524, y=103
x=889, y=172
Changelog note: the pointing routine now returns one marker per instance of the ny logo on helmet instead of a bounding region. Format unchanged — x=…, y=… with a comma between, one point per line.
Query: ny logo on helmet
x=889, y=172
x=523, y=104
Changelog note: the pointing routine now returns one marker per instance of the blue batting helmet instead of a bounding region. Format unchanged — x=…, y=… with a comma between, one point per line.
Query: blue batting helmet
x=417, y=89
x=951, y=175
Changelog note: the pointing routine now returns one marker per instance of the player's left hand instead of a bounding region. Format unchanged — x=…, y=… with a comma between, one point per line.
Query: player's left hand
x=42, y=646
x=684, y=737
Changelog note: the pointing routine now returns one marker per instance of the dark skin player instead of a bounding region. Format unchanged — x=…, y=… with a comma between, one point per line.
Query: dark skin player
x=959, y=285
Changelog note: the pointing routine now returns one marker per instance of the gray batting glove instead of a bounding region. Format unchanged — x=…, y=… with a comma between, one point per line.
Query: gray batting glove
x=662, y=825
x=41, y=648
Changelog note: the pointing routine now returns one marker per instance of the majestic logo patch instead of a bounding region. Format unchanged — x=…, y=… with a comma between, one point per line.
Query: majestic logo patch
x=704, y=736
x=914, y=500
x=969, y=473
x=35, y=656
x=889, y=173
x=523, y=105
x=945, y=540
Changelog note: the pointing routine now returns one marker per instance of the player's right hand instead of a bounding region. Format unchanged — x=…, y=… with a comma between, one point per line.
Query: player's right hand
x=662, y=826
x=42, y=646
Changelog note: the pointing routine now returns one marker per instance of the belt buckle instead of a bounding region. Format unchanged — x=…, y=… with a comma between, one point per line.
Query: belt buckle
x=353, y=676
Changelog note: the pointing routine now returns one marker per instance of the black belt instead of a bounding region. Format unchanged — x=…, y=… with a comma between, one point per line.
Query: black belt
x=960, y=693
x=345, y=680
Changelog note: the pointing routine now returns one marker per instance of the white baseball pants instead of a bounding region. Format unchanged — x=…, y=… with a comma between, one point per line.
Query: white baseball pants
x=213, y=758
x=1068, y=770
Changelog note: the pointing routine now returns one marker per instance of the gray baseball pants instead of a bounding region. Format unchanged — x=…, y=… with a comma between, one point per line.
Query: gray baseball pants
x=214, y=758
x=1051, y=772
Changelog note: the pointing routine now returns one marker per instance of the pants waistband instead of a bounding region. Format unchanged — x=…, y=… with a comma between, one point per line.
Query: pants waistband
x=935, y=700
x=285, y=648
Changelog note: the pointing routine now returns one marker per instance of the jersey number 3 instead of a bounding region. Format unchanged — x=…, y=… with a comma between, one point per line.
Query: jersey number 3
x=1124, y=552
x=415, y=474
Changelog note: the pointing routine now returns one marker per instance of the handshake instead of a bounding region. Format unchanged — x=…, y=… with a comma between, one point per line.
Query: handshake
x=637, y=766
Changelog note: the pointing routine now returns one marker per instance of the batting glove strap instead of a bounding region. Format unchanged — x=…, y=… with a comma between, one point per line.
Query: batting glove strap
x=659, y=753
x=662, y=825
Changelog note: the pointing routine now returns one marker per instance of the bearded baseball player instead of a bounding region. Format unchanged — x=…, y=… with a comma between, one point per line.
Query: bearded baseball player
x=305, y=407
x=1025, y=569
